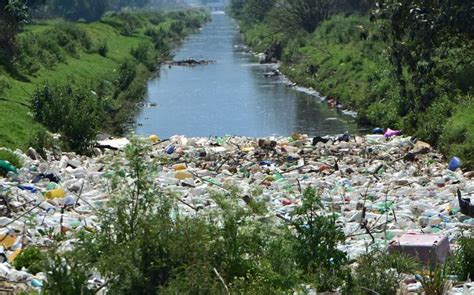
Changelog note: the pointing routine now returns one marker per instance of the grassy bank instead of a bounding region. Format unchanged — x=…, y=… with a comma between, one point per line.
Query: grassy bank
x=112, y=58
x=346, y=58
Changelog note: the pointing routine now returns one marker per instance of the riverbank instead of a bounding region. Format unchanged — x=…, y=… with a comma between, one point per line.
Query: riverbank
x=346, y=60
x=112, y=58
x=229, y=199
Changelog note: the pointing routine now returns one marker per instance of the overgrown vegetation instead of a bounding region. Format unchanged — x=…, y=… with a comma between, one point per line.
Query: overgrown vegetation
x=401, y=64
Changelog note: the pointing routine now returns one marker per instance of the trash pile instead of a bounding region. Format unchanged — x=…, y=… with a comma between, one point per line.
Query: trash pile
x=381, y=187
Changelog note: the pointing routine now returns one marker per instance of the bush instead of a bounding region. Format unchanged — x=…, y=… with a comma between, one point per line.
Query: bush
x=146, y=55
x=51, y=47
x=103, y=48
x=317, y=238
x=458, y=136
x=127, y=73
x=72, y=110
x=32, y=259
x=381, y=273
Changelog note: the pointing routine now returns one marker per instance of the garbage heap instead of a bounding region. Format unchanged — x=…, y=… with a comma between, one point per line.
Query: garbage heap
x=380, y=189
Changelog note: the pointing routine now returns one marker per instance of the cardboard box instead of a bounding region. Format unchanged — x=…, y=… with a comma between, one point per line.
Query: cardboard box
x=428, y=248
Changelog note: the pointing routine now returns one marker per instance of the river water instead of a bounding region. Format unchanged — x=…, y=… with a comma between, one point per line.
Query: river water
x=231, y=96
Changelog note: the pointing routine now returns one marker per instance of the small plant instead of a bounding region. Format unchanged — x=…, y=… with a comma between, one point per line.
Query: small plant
x=464, y=258
x=436, y=283
x=32, y=259
x=382, y=272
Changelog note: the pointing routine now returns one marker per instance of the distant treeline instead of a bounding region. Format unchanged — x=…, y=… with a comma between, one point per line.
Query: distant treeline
x=88, y=10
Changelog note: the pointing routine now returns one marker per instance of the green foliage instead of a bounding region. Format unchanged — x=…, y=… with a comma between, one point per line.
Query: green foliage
x=72, y=110
x=126, y=22
x=88, y=10
x=436, y=283
x=382, y=272
x=458, y=137
x=3, y=85
x=145, y=54
x=43, y=141
x=464, y=258
x=423, y=42
x=8, y=155
x=317, y=238
x=67, y=274
x=103, y=48
x=51, y=47
x=13, y=14
x=32, y=259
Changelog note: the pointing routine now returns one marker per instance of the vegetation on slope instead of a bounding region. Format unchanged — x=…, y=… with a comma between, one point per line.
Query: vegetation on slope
x=108, y=62
x=404, y=64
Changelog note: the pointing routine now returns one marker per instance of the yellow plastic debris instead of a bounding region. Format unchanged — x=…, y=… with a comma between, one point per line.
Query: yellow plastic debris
x=55, y=194
x=12, y=256
x=179, y=167
x=154, y=138
x=7, y=241
x=181, y=175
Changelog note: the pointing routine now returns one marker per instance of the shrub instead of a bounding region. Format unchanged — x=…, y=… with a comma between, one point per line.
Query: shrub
x=32, y=259
x=381, y=273
x=464, y=258
x=146, y=55
x=317, y=238
x=127, y=73
x=103, y=48
x=457, y=138
x=71, y=110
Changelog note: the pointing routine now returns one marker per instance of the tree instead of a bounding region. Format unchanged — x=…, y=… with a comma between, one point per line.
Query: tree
x=302, y=14
x=88, y=10
x=420, y=35
x=13, y=13
x=256, y=10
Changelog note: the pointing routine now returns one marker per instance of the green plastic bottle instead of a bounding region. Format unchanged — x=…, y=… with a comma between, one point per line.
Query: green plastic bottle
x=6, y=167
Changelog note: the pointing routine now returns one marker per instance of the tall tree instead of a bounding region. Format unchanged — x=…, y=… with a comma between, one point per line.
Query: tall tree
x=302, y=14
x=13, y=14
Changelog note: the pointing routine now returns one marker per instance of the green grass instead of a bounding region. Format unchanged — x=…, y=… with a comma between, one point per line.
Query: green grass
x=17, y=126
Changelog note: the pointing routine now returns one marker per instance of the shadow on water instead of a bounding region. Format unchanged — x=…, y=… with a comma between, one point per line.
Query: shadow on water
x=230, y=96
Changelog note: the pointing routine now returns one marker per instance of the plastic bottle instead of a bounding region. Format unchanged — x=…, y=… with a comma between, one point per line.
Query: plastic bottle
x=55, y=194
x=454, y=164
x=7, y=167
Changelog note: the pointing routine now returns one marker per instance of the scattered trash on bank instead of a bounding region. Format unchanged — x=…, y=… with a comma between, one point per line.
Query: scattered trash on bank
x=387, y=191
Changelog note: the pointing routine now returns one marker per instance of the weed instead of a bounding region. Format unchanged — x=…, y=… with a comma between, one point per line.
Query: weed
x=382, y=272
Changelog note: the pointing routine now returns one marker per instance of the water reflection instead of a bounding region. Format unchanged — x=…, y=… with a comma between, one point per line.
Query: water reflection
x=231, y=96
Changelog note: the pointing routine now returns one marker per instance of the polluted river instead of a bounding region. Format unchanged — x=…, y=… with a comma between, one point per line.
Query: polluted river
x=384, y=191
x=233, y=95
